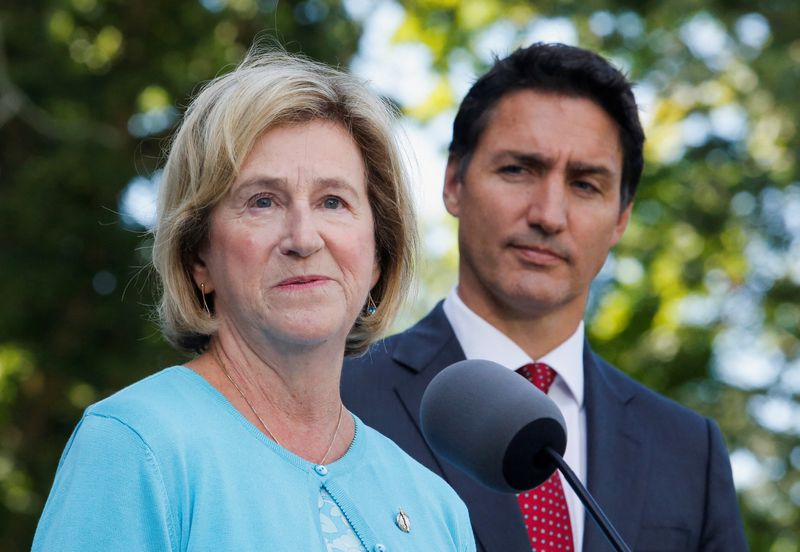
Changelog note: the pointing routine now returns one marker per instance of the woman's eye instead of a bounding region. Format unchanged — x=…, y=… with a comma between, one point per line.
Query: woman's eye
x=263, y=202
x=332, y=202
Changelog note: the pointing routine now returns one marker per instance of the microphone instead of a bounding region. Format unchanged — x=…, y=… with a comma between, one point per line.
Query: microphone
x=493, y=424
x=504, y=432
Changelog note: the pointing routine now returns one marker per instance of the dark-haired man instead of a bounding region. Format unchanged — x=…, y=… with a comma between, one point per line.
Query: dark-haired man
x=544, y=163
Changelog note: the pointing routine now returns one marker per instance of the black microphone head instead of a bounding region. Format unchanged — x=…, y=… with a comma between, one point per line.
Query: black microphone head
x=493, y=424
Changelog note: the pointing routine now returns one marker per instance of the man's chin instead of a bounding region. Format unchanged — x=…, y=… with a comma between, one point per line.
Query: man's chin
x=539, y=300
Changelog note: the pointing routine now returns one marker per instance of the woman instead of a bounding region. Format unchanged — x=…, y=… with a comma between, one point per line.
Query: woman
x=284, y=241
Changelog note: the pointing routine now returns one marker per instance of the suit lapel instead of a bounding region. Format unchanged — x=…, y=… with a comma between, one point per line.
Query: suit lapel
x=617, y=455
x=429, y=348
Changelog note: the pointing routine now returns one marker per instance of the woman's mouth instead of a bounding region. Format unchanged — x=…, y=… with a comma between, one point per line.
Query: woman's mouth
x=303, y=282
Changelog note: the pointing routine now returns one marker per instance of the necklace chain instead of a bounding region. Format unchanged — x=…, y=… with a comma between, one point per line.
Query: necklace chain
x=224, y=368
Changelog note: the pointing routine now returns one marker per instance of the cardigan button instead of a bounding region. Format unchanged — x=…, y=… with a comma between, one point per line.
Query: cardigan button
x=321, y=470
x=379, y=548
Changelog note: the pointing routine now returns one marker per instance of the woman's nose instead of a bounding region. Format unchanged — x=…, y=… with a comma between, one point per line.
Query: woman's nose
x=301, y=236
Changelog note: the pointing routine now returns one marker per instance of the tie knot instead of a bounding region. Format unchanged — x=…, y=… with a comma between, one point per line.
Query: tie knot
x=539, y=374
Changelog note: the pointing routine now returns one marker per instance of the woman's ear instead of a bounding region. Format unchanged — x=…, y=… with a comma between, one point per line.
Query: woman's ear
x=376, y=274
x=201, y=274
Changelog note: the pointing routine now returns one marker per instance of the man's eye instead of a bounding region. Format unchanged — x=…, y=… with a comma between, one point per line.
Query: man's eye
x=332, y=202
x=511, y=169
x=263, y=202
x=585, y=186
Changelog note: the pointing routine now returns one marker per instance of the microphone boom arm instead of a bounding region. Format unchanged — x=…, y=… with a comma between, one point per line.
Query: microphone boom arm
x=588, y=502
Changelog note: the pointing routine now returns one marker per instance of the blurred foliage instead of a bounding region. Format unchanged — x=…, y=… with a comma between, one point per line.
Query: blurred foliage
x=699, y=301
x=89, y=89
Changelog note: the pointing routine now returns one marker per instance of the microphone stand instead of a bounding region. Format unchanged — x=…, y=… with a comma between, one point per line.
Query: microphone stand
x=588, y=502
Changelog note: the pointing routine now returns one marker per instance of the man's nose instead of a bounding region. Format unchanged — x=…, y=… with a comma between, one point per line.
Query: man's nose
x=548, y=204
x=301, y=236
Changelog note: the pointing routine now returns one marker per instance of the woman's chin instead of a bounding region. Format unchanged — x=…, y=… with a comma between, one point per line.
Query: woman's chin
x=310, y=331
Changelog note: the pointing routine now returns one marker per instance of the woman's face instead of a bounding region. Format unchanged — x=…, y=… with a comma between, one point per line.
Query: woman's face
x=291, y=250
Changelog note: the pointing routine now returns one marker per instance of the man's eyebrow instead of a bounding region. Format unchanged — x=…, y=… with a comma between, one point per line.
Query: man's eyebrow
x=542, y=162
x=579, y=168
x=528, y=159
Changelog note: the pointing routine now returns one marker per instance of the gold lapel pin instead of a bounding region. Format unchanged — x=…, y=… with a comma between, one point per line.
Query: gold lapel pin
x=403, y=521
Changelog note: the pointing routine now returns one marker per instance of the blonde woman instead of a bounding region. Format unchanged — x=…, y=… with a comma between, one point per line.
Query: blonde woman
x=284, y=241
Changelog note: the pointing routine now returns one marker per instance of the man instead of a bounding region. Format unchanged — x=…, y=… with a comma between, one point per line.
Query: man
x=544, y=163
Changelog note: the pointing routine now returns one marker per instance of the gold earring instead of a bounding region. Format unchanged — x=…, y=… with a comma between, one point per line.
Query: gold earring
x=203, y=293
x=371, y=307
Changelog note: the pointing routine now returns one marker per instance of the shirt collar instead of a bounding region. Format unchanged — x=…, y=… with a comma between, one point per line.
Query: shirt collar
x=479, y=339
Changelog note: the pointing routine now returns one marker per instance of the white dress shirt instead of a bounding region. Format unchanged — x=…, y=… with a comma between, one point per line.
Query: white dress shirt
x=479, y=339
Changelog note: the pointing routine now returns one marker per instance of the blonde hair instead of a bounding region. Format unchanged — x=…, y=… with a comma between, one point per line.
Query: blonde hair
x=269, y=89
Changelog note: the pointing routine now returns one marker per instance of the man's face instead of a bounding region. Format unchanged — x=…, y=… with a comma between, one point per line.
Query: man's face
x=538, y=206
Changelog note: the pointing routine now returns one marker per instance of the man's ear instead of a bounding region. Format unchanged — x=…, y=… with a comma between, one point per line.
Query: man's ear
x=622, y=223
x=451, y=194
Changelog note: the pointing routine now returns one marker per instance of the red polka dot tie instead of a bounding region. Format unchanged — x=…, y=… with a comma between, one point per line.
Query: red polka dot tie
x=544, y=508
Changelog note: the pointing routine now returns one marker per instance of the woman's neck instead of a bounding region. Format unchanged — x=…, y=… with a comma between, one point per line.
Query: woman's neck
x=289, y=393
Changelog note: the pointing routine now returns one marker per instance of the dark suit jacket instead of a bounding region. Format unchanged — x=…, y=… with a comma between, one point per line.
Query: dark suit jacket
x=659, y=471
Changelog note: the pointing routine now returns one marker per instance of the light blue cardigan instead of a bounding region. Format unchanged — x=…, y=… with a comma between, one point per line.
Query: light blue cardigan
x=169, y=464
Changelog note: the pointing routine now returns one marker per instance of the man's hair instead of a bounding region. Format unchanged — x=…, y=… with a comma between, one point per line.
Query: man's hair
x=557, y=69
x=268, y=90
